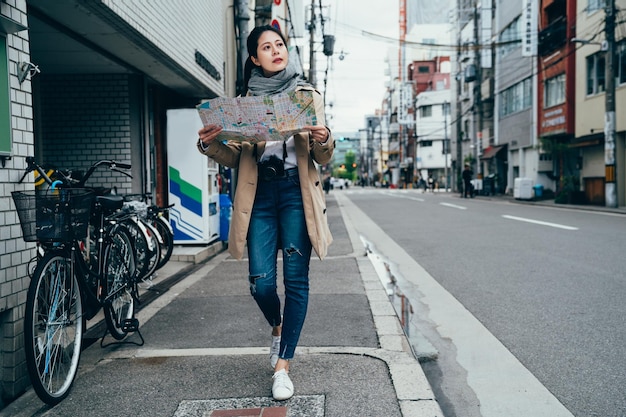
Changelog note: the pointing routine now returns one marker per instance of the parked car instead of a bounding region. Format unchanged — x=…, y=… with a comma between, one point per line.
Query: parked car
x=339, y=183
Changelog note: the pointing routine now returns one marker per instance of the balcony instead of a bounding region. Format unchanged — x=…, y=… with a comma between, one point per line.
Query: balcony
x=553, y=37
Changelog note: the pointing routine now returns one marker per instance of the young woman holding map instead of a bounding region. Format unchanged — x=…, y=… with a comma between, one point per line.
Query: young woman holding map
x=279, y=201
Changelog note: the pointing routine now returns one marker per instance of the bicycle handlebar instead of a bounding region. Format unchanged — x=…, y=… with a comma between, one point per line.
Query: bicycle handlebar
x=67, y=180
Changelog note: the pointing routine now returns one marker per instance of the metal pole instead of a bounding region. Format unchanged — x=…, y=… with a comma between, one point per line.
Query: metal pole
x=478, y=125
x=242, y=18
x=312, y=69
x=445, y=143
x=610, y=189
x=459, y=108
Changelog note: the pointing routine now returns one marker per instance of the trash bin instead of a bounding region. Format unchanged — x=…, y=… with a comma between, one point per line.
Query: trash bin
x=225, y=215
x=538, y=190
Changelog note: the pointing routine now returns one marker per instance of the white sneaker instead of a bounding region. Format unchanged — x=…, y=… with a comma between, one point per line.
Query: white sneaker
x=274, y=350
x=282, y=388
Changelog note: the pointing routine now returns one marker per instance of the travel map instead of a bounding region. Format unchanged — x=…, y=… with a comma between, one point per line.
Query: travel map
x=260, y=118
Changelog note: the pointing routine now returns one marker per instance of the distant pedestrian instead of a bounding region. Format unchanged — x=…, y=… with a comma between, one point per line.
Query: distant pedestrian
x=279, y=202
x=431, y=183
x=327, y=184
x=467, y=182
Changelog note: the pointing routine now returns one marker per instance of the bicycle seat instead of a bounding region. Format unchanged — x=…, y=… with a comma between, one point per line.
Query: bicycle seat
x=110, y=203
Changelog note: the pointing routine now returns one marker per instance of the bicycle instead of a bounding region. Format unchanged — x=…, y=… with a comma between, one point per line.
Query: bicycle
x=69, y=285
x=155, y=216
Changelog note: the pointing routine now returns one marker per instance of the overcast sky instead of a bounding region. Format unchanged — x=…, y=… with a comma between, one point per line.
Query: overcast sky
x=356, y=84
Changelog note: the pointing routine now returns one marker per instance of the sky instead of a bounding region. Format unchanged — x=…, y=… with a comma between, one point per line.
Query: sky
x=356, y=84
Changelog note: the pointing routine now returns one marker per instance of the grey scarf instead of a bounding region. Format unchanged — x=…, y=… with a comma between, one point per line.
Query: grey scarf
x=285, y=80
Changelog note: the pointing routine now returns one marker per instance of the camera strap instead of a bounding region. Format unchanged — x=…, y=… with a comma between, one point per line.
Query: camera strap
x=255, y=152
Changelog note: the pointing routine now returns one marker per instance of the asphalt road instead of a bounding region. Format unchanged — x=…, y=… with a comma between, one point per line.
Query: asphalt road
x=548, y=283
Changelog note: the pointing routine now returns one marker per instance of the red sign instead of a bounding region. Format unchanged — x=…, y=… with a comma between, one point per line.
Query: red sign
x=276, y=24
x=277, y=2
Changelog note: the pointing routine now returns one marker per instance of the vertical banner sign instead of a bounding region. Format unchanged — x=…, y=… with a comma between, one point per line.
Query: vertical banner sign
x=529, y=28
x=406, y=102
x=279, y=14
x=485, y=36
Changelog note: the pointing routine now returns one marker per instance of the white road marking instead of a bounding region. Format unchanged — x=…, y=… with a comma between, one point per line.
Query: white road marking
x=454, y=206
x=502, y=384
x=522, y=219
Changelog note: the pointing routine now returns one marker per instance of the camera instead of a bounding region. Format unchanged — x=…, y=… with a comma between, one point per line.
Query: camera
x=271, y=168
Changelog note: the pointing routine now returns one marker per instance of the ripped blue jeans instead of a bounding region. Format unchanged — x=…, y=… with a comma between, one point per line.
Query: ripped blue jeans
x=277, y=222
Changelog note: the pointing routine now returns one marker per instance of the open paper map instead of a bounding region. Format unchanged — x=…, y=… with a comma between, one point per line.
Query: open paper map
x=260, y=118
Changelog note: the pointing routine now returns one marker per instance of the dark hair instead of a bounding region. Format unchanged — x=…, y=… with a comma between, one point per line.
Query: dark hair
x=253, y=44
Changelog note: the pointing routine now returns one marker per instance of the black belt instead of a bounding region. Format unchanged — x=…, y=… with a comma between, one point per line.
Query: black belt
x=291, y=172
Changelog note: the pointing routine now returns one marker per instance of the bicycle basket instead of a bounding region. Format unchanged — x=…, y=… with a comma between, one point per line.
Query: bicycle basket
x=54, y=215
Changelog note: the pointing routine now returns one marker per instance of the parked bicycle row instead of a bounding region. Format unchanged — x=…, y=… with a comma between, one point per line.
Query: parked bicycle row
x=93, y=250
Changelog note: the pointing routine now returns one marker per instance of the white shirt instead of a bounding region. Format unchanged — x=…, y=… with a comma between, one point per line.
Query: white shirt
x=276, y=148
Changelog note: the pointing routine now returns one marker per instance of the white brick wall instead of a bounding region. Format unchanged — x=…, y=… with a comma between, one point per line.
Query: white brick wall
x=14, y=252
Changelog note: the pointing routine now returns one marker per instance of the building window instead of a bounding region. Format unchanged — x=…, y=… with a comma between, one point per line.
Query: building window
x=554, y=91
x=426, y=111
x=426, y=143
x=596, y=73
x=620, y=58
x=509, y=38
x=593, y=5
x=445, y=109
x=516, y=98
x=423, y=69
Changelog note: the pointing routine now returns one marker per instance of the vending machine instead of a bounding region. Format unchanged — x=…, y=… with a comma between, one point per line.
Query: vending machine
x=192, y=179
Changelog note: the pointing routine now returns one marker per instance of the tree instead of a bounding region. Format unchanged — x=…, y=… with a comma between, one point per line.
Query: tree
x=351, y=165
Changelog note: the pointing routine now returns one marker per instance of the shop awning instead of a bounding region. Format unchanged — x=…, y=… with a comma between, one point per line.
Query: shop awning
x=491, y=151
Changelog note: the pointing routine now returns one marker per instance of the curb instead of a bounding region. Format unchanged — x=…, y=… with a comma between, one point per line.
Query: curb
x=413, y=391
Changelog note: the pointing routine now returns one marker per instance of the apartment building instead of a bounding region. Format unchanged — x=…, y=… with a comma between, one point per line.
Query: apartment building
x=589, y=145
x=514, y=152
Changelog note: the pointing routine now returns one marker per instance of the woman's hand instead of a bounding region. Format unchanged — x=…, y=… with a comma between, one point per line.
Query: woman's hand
x=319, y=133
x=207, y=134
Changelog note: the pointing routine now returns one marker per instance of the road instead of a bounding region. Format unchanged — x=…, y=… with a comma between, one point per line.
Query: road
x=523, y=304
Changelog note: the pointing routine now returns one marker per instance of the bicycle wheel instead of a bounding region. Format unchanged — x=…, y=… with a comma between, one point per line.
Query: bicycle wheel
x=142, y=247
x=155, y=244
x=119, y=268
x=53, y=327
x=167, y=238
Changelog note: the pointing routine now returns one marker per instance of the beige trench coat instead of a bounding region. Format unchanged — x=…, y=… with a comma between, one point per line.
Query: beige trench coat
x=241, y=155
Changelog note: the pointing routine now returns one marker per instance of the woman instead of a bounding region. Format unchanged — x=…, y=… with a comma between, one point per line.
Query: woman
x=279, y=201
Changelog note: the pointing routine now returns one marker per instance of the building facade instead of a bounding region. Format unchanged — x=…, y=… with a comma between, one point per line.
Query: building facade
x=589, y=144
x=556, y=99
x=514, y=152
x=89, y=81
x=431, y=81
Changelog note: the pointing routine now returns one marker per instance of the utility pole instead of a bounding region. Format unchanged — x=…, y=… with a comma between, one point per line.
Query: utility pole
x=446, y=147
x=478, y=106
x=402, y=128
x=242, y=17
x=610, y=188
x=312, y=68
x=459, y=108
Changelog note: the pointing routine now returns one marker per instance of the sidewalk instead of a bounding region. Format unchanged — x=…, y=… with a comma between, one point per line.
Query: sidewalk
x=549, y=202
x=206, y=349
